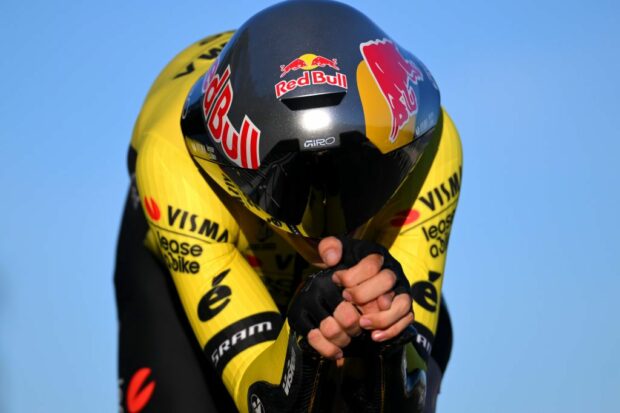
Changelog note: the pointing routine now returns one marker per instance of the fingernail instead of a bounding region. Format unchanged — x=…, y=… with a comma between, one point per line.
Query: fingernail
x=330, y=256
x=364, y=322
x=347, y=295
x=339, y=356
x=378, y=335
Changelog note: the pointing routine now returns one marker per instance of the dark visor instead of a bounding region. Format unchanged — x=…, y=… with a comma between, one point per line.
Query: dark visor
x=327, y=192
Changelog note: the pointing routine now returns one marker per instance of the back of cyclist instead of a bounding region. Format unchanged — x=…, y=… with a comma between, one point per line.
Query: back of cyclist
x=293, y=189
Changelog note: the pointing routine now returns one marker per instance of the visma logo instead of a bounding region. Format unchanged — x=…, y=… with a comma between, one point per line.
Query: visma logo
x=187, y=221
x=444, y=192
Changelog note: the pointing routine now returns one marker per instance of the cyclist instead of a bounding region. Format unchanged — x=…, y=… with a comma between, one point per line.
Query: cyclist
x=293, y=188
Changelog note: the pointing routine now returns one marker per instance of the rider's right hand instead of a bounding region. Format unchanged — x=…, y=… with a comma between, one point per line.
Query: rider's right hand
x=335, y=332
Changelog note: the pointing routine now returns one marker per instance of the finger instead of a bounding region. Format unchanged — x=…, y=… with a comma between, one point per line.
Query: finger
x=369, y=307
x=348, y=317
x=323, y=346
x=372, y=288
x=394, y=330
x=384, y=302
x=381, y=320
x=367, y=268
x=333, y=332
x=330, y=250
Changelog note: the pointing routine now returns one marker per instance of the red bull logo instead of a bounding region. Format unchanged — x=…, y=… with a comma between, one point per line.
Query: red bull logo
x=308, y=63
x=241, y=147
x=395, y=77
x=294, y=65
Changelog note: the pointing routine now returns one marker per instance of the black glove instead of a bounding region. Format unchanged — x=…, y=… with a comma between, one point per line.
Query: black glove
x=319, y=296
x=316, y=300
x=353, y=251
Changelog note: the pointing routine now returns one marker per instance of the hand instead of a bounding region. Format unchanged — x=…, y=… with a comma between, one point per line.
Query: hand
x=335, y=332
x=319, y=312
x=369, y=288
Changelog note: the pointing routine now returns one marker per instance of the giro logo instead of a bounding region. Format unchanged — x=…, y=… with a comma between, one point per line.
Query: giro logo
x=319, y=143
x=152, y=209
x=216, y=299
x=139, y=393
x=395, y=77
x=444, y=192
x=406, y=217
x=241, y=147
x=308, y=62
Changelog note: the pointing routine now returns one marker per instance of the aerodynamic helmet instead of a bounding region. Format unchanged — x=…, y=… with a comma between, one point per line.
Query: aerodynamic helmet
x=311, y=116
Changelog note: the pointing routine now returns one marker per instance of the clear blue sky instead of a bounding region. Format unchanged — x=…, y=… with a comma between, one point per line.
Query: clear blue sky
x=532, y=279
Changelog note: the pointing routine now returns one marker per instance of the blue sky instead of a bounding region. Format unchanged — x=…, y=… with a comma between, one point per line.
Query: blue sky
x=531, y=278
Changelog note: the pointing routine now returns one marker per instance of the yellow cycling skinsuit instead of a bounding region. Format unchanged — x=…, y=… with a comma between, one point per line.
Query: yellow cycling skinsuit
x=234, y=274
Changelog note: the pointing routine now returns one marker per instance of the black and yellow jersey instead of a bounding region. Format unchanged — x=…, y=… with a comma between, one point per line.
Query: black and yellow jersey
x=234, y=274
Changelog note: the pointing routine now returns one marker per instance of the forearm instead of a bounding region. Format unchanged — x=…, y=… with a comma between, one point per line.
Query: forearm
x=243, y=335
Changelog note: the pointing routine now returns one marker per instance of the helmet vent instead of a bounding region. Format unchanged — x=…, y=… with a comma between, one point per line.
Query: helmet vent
x=314, y=101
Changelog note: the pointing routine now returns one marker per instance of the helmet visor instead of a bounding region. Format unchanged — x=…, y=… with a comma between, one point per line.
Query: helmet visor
x=322, y=193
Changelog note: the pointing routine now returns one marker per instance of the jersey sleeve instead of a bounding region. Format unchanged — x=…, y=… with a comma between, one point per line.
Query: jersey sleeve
x=417, y=223
x=233, y=316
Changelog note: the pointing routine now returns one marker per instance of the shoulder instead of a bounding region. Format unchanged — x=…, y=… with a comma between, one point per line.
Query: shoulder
x=432, y=188
x=176, y=197
x=174, y=194
x=163, y=104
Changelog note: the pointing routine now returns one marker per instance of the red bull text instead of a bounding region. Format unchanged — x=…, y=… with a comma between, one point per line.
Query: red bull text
x=240, y=147
x=307, y=63
x=395, y=77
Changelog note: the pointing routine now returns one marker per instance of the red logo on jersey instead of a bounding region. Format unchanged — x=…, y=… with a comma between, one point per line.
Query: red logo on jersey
x=253, y=261
x=405, y=217
x=152, y=208
x=139, y=394
x=240, y=147
x=394, y=76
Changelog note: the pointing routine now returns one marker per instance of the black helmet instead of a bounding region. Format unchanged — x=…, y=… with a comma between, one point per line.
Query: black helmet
x=311, y=116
